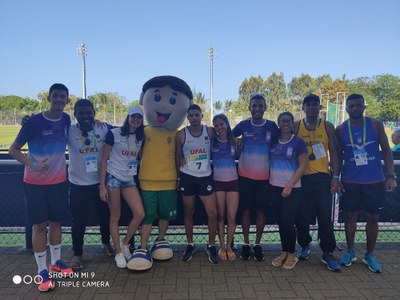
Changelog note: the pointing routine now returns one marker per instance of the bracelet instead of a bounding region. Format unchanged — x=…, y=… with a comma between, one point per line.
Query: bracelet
x=335, y=177
x=178, y=178
x=34, y=165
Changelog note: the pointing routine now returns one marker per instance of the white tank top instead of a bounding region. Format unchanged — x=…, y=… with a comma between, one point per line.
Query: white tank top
x=196, y=151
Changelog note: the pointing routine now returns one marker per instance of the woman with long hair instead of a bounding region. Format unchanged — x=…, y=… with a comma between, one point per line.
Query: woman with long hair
x=287, y=165
x=223, y=152
x=121, y=150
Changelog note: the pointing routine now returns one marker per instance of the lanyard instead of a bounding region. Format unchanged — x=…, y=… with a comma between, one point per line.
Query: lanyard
x=129, y=145
x=364, y=134
x=94, y=138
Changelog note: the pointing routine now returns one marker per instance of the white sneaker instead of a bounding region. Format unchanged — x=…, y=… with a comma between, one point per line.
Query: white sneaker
x=120, y=260
x=125, y=250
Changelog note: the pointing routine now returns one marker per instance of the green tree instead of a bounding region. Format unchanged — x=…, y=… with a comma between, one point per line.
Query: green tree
x=275, y=90
x=386, y=89
x=300, y=87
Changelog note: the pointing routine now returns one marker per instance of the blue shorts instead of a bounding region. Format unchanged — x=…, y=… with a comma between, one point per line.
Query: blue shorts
x=114, y=182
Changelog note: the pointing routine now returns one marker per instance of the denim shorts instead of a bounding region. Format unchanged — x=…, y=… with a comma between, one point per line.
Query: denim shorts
x=114, y=182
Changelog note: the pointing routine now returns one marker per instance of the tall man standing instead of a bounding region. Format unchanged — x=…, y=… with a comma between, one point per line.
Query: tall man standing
x=45, y=176
x=192, y=158
x=363, y=183
x=317, y=184
x=257, y=134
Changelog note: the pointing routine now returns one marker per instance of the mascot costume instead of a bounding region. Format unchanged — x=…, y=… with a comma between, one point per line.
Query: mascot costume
x=165, y=100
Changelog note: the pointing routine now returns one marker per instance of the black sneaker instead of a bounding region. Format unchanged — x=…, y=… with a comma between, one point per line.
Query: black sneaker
x=188, y=253
x=212, y=254
x=258, y=253
x=245, y=254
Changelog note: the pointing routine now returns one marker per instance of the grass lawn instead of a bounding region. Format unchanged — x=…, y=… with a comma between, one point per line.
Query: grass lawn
x=7, y=135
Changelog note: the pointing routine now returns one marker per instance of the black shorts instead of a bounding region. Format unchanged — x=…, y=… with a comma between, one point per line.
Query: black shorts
x=253, y=194
x=190, y=185
x=226, y=186
x=368, y=197
x=46, y=202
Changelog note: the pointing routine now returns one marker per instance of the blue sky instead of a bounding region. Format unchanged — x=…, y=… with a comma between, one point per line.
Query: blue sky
x=131, y=41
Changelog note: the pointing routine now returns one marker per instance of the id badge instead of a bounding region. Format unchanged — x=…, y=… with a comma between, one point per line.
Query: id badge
x=319, y=150
x=132, y=167
x=91, y=164
x=360, y=157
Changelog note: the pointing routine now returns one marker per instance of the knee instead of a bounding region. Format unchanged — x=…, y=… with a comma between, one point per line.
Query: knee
x=39, y=228
x=212, y=214
x=140, y=215
x=114, y=219
x=189, y=211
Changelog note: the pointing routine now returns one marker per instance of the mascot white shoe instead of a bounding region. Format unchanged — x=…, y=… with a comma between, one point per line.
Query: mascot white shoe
x=140, y=260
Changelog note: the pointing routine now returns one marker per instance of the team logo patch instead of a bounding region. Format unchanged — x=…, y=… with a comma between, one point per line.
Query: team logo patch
x=289, y=152
x=169, y=140
x=209, y=188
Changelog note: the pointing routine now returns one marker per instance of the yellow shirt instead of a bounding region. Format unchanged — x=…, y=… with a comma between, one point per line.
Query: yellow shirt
x=157, y=168
x=312, y=137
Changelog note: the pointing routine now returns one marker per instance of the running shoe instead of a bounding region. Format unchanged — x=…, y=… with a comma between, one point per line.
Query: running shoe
x=348, y=258
x=258, y=253
x=120, y=260
x=46, y=285
x=245, y=254
x=330, y=262
x=303, y=253
x=188, y=253
x=370, y=261
x=108, y=249
x=62, y=268
x=212, y=254
x=126, y=251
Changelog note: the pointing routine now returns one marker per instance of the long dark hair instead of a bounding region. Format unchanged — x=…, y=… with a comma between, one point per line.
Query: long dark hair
x=229, y=133
x=139, y=131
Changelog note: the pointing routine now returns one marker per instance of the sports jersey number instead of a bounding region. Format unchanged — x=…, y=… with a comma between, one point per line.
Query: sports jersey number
x=198, y=164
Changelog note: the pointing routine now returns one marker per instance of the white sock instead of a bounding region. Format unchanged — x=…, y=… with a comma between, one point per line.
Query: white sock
x=55, y=253
x=41, y=260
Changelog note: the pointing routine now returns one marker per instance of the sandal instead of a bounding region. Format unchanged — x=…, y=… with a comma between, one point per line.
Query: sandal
x=108, y=249
x=278, y=262
x=222, y=254
x=290, y=264
x=76, y=264
x=231, y=255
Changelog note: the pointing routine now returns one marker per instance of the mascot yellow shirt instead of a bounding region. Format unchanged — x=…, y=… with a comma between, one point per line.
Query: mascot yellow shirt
x=158, y=172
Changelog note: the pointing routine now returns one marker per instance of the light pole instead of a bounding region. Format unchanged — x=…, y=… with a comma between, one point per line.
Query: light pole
x=343, y=106
x=212, y=53
x=82, y=51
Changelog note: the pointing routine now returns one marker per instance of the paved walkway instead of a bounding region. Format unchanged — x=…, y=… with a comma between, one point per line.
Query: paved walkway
x=198, y=279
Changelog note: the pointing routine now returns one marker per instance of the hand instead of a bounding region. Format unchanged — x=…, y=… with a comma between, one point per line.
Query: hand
x=25, y=119
x=100, y=124
x=41, y=166
x=391, y=184
x=183, y=162
x=340, y=190
x=334, y=186
x=103, y=193
x=286, y=191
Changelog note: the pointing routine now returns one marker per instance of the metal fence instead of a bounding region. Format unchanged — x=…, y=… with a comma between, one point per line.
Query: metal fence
x=15, y=231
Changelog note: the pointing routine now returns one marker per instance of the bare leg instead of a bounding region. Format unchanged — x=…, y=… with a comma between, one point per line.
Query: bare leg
x=372, y=231
x=350, y=227
x=210, y=204
x=188, y=208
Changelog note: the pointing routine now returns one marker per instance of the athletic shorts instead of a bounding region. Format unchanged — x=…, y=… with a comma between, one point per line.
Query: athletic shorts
x=226, y=186
x=191, y=185
x=368, y=197
x=253, y=194
x=159, y=205
x=46, y=202
x=114, y=182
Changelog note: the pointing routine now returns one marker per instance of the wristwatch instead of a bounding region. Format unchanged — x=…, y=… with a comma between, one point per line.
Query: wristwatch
x=394, y=176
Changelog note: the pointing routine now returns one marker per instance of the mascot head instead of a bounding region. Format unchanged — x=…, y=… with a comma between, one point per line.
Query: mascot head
x=165, y=100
